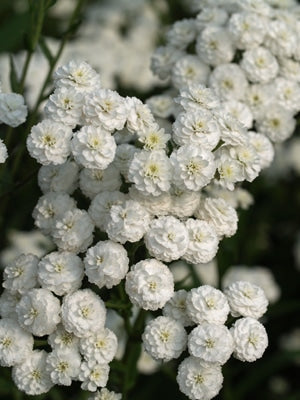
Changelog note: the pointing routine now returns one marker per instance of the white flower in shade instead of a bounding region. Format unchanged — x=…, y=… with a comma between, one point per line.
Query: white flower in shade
x=161, y=105
x=63, y=340
x=93, y=147
x=229, y=82
x=289, y=69
x=105, y=108
x=207, y=304
x=149, y=284
x=49, y=142
x=193, y=167
x=128, y=221
x=31, y=375
x=183, y=202
x=215, y=16
x=199, y=380
x=189, y=69
x=281, y=39
x=155, y=205
x=240, y=111
x=232, y=131
x=220, y=214
x=258, y=98
x=196, y=97
x=38, y=312
x=154, y=138
x=105, y=394
x=123, y=157
x=139, y=116
x=259, y=65
x=163, y=59
x=246, y=299
x=58, y=178
x=15, y=343
x=182, y=33
x=13, y=111
x=263, y=148
x=63, y=366
x=247, y=156
x=94, y=181
x=83, y=313
x=8, y=302
x=276, y=123
x=167, y=238
x=146, y=365
x=258, y=7
x=101, y=347
x=210, y=342
x=101, y=205
x=230, y=169
x=198, y=128
x=260, y=276
x=3, y=152
x=78, y=75
x=164, y=338
x=248, y=30
x=60, y=272
x=203, y=242
x=250, y=339
x=21, y=274
x=73, y=231
x=214, y=46
x=49, y=207
x=151, y=172
x=92, y=375
x=175, y=308
x=287, y=94
x=106, y=264
x=65, y=106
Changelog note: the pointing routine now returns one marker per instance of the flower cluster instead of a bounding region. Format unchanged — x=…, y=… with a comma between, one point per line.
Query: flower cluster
x=210, y=343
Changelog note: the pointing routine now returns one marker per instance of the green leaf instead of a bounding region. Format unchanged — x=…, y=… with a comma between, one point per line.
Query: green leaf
x=14, y=82
x=45, y=49
x=37, y=14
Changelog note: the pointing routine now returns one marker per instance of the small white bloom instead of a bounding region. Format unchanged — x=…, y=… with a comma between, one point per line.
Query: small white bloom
x=161, y=105
x=154, y=138
x=183, y=202
x=3, y=152
x=196, y=97
x=8, y=302
x=92, y=375
x=78, y=75
x=63, y=340
x=175, y=308
x=13, y=111
x=259, y=65
x=63, y=366
x=139, y=116
x=101, y=347
x=181, y=34
x=94, y=181
x=58, y=178
x=105, y=394
x=189, y=69
x=163, y=59
x=247, y=30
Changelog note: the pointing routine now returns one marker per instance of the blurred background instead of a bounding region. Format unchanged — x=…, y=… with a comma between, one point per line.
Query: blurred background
x=117, y=37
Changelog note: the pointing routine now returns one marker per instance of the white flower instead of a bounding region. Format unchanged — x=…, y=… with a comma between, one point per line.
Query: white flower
x=259, y=97
x=8, y=302
x=128, y=221
x=60, y=272
x=198, y=128
x=49, y=207
x=199, y=380
x=101, y=347
x=246, y=299
x=181, y=34
x=207, y=304
x=213, y=16
x=101, y=205
x=106, y=264
x=94, y=181
x=149, y=284
x=155, y=205
x=93, y=147
x=232, y=131
x=63, y=366
x=49, y=142
x=3, y=152
x=92, y=375
x=193, y=167
x=151, y=172
x=175, y=308
x=146, y=365
x=21, y=274
x=164, y=338
x=15, y=343
x=196, y=97
x=139, y=116
x=65, y=106
x=189, y=69
x=73, y=231
x=105, y=108
x=123, y=157
x=105, y=394
x=167, y=238
x=250, y=339
x=154, y=138
x=247, y=156
x=203, y=242
x=220, y=214
x=247, y=30
x=263, y=147
x=229, y=82
x=289, y=69
x=281, y=39
x=163, y=59
x=38, y=312
x=31, y=376
x=230, y=169
x=210, y=342
x=240, y=111
x=83, y=313
x=58, y=178
x=78, y=75
x=287, y=94
x=161, y=105
x=214, y=46
x=63, y=340
x=13, y=111
x=259, y=65
x=183, y=202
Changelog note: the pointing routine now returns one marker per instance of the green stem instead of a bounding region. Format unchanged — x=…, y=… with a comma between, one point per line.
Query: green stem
x=24, y=71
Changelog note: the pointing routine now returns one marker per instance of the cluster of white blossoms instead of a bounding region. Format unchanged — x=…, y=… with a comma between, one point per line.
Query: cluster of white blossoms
x=210, y=343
